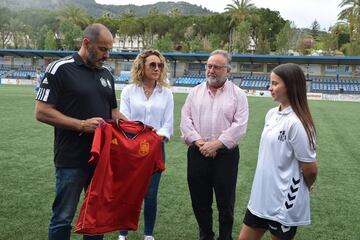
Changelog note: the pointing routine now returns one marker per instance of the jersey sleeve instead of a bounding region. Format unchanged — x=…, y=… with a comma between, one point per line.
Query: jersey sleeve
x=159, y=156
x=96, y=146
x=50, y=88
x=300, y=143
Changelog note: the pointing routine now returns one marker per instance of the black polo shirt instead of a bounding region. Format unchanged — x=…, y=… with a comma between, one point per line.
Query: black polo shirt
x=80, y=92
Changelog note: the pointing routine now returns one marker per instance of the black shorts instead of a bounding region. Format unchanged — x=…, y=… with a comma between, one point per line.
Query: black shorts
x=275, y=228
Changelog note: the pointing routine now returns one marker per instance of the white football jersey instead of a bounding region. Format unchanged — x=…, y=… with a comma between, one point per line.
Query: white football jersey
x=279, y=192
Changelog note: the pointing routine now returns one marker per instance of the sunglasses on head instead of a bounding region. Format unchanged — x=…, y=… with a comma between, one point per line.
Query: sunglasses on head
x=153, y=65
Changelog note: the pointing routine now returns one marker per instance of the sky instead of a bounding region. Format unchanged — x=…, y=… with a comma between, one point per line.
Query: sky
x=301, y=12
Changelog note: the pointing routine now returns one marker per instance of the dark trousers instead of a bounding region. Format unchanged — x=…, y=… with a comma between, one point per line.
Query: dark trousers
x=206, y=175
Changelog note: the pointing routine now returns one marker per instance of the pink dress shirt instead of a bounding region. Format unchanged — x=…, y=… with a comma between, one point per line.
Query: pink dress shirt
x=222, y=116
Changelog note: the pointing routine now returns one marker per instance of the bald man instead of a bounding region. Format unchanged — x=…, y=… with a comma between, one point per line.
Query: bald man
x=76, y=94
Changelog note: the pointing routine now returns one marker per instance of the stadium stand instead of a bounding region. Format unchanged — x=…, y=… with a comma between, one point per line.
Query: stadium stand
x=245, y=81
x=335, y=85
x=124, y=77
x=261, y=82
x=190, y=80
x=247, y=77
x=258, y=82
x=4, y=70
x=24, y=72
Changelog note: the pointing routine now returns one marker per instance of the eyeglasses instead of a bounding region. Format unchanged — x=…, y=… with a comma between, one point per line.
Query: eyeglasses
x=154, y=65
x=216, y=67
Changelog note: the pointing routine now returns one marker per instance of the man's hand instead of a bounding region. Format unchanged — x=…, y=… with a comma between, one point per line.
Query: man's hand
x=209, y=149
x=199, y=143
x=89, y=125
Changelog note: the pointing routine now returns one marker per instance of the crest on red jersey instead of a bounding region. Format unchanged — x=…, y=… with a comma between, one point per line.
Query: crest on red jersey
x=144, y=148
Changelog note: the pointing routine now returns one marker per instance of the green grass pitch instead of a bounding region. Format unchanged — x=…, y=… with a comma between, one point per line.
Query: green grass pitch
x=27, y=173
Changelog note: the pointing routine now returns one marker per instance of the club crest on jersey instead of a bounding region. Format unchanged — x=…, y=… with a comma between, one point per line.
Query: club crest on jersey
x=144, y=148
x=282, y=136
x=103, y=82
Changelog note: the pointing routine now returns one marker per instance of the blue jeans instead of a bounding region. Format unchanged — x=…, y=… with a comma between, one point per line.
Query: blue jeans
x=70, y=182
x=150, y=203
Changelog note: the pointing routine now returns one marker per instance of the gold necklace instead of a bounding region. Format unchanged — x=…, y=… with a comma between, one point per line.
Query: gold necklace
x=148, y=91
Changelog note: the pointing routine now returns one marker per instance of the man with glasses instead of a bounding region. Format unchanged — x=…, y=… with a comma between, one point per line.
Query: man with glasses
x=76, y=94
x=213, y=121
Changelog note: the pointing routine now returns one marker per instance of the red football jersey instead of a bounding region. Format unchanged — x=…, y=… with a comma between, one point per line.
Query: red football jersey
x=121, y=178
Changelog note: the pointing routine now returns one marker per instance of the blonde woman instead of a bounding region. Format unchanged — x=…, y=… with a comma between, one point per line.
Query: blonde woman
x=148, y=99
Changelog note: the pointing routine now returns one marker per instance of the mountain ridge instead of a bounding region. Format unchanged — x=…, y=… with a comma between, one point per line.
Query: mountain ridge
x=96, y=9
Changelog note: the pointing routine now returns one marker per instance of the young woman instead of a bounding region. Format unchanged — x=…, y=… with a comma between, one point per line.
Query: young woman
x=148, y=99
x=286, y=168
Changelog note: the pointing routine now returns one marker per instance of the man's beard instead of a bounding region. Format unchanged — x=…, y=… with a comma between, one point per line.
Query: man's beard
x=216, y=81
x=92, y=60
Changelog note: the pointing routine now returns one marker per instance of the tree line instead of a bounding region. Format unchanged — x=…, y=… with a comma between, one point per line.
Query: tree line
x=242, y=28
